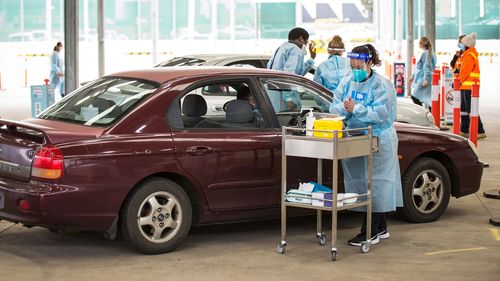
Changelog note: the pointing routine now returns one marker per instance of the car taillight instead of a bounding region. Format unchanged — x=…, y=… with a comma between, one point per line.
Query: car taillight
x=48, y=163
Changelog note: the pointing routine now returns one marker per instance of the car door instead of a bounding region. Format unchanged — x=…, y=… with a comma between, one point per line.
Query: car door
x=233, y=160
x=309, y=96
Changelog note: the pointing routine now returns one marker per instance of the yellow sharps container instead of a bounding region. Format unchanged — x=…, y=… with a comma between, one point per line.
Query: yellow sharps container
x=327, y=124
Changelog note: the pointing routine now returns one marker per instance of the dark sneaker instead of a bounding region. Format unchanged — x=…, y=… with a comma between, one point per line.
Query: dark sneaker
x=481, y=136
x=360, y=238
x=465, y=135
x=384, y=234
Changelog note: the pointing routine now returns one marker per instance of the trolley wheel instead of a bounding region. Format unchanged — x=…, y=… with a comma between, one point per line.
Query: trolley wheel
x=334, y=255
x=282, y=248
x=321, y=238
x=365, y=247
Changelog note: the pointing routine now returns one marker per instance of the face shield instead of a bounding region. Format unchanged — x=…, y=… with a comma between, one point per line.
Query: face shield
x=359, y=65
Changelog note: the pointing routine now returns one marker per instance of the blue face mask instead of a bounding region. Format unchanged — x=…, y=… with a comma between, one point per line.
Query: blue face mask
x=461, y=46
x=359, y=74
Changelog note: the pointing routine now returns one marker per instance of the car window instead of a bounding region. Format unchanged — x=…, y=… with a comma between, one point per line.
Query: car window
x=247, y=63
x=100, y=103
x=289, y=97
x=182, y=61
x=218, y=105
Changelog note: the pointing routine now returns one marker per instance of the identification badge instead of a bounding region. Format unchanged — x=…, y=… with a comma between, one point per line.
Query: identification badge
x=358, y=96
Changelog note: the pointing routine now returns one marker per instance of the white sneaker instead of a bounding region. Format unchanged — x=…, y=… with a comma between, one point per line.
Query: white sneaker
x=384, y=234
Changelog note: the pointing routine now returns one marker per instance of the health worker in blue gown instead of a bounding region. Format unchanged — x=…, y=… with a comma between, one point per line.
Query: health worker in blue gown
x=367, y=99
x=289, y=57
x=330, y=72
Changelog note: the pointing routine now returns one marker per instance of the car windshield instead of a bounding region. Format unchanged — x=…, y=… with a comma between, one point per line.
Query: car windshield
x=181, y=61
x=100, y=103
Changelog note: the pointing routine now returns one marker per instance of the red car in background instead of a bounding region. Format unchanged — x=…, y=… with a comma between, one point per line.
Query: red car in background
x=150, y=153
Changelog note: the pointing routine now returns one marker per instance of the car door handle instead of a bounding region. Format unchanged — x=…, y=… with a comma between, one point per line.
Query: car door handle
x=199, y=150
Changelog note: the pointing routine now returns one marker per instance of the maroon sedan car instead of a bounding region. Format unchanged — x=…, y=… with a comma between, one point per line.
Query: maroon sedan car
x=150, y=153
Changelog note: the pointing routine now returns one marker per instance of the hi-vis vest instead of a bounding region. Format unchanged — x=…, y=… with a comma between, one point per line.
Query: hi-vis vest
x=469, y=69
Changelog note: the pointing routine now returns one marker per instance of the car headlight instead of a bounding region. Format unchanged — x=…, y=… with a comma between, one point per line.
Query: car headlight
x=473, y=147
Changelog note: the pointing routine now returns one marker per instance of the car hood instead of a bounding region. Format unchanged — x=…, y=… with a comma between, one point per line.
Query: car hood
x=421, y=130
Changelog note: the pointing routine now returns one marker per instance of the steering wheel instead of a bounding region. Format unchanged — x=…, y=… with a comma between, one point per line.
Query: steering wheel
x=294, y=122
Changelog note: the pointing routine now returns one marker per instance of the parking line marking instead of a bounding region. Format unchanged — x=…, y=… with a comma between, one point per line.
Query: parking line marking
x=455, y=251
x=495, y=233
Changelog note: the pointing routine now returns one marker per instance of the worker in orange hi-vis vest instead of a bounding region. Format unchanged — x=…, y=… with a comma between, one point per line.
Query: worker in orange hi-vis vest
x=469, y=74
x=456, y=62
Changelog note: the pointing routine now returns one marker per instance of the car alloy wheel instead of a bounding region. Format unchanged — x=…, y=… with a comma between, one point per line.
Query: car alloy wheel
x=156, y=216
x=159, y=217
x=427, y=191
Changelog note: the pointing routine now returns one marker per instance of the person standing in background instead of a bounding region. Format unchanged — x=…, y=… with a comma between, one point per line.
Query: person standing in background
x=56, y=77
x=422, y=78
x=469, y=74
x=330, y=72
x=456, y=62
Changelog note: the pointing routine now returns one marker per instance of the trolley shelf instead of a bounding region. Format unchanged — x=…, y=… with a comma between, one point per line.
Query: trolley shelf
x=345, y=207
x=335, y=149
x=311, y=147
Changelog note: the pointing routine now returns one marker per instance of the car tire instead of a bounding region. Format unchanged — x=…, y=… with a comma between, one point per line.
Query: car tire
x=156, y=217
x=426, y=191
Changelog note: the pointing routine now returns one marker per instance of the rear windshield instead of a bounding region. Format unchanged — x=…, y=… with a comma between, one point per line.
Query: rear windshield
x=181, y=61
x=100, y=103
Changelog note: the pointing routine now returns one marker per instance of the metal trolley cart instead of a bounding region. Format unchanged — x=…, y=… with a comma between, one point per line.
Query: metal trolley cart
x=335, y=149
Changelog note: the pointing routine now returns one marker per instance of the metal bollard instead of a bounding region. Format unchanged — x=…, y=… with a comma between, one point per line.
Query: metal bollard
x=474, y=113
x=456, y=105
x=435, y=98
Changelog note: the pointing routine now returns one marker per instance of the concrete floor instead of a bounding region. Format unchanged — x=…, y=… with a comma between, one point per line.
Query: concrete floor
x=460, y=246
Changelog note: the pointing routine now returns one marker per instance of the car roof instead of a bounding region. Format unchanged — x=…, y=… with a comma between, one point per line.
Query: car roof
x=208, y=57
x=163, y=74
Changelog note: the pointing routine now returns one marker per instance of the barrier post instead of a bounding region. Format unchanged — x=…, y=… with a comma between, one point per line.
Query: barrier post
x=443, y=91
x=456, y=105
x=474, y=112
x=435, y=98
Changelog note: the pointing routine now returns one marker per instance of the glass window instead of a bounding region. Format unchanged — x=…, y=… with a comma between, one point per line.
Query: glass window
x=248, y=63
x=289, y=98
x=100, y=103
x=221, y=105
x=182, y=61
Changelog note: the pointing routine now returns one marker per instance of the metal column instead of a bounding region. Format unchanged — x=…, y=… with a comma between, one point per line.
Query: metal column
x=100, y=37
x=154, y=28
x=409, y=45
x=399, y=26
x=430, y=21
x=71, y=45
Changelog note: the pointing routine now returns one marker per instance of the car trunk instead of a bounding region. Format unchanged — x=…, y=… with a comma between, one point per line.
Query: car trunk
x=19, y=142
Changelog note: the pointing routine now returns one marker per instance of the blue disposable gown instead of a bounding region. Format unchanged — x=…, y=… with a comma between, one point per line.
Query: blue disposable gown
x=330, y=72
x=290, y=58
x=423, y=71
x=376, y=107
x=55, y=67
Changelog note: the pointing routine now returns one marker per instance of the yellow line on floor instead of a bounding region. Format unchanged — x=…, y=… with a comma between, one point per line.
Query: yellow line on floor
x=495, y=233
x=456, y=251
